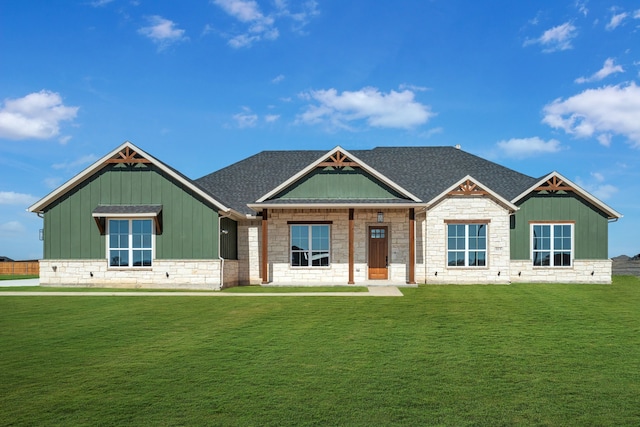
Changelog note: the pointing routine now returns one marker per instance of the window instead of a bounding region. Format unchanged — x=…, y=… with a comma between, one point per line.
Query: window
x=552, y=245
x=467, y=245
x=310, y=245
x=130, y=242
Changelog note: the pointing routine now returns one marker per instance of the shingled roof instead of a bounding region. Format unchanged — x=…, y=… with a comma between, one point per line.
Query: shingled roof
x=424, y=171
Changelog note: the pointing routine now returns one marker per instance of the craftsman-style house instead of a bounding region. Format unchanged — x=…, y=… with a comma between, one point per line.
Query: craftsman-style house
x=385, y=215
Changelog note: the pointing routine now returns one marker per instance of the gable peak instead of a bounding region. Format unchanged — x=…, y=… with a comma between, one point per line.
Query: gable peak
x=338, y=159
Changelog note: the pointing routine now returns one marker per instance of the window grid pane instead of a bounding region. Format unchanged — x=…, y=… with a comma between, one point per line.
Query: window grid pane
x=310, y=245
x=552, y=245
x=467, y=245
x=130, y=249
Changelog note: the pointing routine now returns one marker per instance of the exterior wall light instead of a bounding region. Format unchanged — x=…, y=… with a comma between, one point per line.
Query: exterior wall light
x=380, y=217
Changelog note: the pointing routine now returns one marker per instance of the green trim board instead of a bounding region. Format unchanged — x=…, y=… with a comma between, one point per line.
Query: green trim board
x=190, y=228
x=591, y=224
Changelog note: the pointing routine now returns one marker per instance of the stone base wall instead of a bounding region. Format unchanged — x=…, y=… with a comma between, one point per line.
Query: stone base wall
x=165, y=274
x=582, y=271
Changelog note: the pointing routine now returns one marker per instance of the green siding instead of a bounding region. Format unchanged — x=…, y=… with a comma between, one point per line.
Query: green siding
x=346, y=183
x=189, y=224
x=590, y=230
x=229, y=238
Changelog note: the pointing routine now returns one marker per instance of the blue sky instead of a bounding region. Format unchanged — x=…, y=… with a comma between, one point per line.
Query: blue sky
x=535, y=86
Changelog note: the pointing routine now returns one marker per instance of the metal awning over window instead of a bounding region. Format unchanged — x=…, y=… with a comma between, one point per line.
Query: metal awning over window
x=101, y=212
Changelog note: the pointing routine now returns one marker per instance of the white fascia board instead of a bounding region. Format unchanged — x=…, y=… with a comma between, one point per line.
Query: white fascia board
x=322, y=158
x=259, y=206
x=79, y=178
x=612, y=213
x=501, y=200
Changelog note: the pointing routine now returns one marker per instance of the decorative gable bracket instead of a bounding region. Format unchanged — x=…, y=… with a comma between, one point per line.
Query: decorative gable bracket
x=338, y=160
x=128, y=157
x=467, y=188
x=554, y=184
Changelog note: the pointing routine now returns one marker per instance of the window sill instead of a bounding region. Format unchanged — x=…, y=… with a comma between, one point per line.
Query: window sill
x=553, y=267
x=304, y=267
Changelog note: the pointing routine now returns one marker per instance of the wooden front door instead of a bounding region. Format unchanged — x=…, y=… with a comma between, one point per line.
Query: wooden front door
x=378, y=253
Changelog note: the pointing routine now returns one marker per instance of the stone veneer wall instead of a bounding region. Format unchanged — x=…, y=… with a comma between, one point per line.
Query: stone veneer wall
x=249, y=241
x=182, y=274
x=337, y=272
x=434, y=229
x=582, y=271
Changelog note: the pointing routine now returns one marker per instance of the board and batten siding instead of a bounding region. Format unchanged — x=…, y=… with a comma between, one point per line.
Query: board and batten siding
x=590, y=230
x=345, y=183
x=189, y=224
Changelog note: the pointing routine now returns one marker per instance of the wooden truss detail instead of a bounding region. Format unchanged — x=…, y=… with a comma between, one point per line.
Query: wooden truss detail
x=128, y=156
x=554, y=184
x=468, y=188
x=338, y=160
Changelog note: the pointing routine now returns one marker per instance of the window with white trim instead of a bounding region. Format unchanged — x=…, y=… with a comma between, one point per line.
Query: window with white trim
x=552, y=245
x=466, y=245
x=130, y=242
x=310, y=245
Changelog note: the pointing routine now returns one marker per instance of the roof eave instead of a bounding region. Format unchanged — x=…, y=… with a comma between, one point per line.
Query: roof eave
x=611, y=213
x=41, y=204
x=362, y=164
x=492, y=194
x=266, y=205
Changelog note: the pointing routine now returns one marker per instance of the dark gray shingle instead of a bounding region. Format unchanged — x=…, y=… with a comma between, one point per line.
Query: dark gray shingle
x=424, y=171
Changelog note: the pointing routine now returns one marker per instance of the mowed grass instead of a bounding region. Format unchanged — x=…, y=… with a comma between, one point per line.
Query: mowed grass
x=440, y=355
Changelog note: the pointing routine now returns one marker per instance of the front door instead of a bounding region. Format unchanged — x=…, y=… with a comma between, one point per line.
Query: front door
x=378, y=253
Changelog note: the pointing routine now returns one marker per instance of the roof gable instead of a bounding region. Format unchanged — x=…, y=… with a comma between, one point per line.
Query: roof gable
x=554, y=182
x=126, y=154
x=469, y=186
x=340, y=159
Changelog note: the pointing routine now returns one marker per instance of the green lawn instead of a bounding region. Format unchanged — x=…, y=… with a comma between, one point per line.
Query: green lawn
x=18, y=276
x=440, y=355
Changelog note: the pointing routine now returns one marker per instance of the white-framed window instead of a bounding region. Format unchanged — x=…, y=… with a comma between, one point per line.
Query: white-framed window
x=310, y=245
x=130, y=242
x=552, y=245
x=467, y=245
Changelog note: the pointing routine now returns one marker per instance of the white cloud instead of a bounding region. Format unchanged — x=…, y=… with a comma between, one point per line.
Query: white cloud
x=246, y=119
x=434, y=131
x=75, y=164
x=607, y=69
x=52, y=183
x=37, y=115
x=242, y=10
x=556, y=38
x=390, y=110
x=594, y=112
x=527, y=147
x=100, y=3
x=163, y=32
x=12, y=227
x=582, y=7
x=261, y=26
x=277, y=79
x=13, y=198
x=636, y=14
x=597, y=187
x=270, y=118
x=616, y=20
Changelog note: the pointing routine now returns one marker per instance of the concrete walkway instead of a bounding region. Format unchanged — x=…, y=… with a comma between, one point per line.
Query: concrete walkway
x=374, y=291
